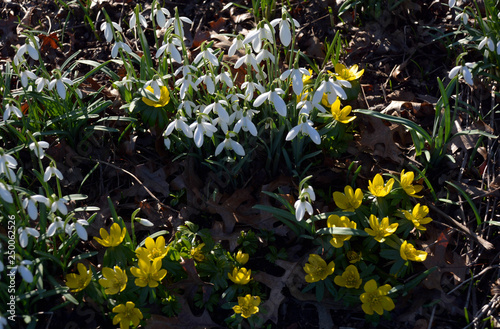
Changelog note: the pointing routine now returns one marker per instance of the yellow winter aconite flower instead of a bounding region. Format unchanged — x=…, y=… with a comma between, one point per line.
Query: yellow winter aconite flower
x=353, y=256
x=417, y=216
x=115, y=280
x=152, y=249
x=380, y=230
x=148, y=273
x=242, y=258
x=378, y=188
x=349, y=279
x=349, y=74
x=247, y=305
x=341, y=115
x=164, y=97
x=375, y=298
x=114, y=238
x=408, y=252
x=349, y=200
x=335, y=221
x=197, y=254
x=317, y=269
x=407, y=184
x=78, y=282
x=240, y=276
x=127, y=313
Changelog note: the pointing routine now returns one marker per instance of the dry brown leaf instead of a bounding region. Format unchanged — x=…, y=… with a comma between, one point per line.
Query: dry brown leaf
x=381, y=138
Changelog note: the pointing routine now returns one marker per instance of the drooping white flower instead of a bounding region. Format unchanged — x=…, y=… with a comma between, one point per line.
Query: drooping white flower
x=245, y=123
x=498, y=47
x=11, y=109
x=208, y=81
x=178, y=26
x=132, y=22
x=29, y=203
x=201, y=127
x=171, y=49
x=305, y=107
x=144, y=221
x=52, y=171
x=236, y=45
x=187, y=106
x=32, y=49
x=250, y=88
x=303, y=203
x=224, y=76
x=38, y=148
x=464, y=17
x=264, y=54
x=186, y=81
x=79, y=227
x=107, y=28
x=208, y=55
x=59, y=204
x=25, y=75
x=333, y=88
x=24, y=234
x=274, y=98
x=7, y=164
x=156, y=84
x=5, y=194
x=248, y=59
x=120, y=45
x=284, y=27
x=464, y=71
x=487, y=41
x=258, y=35
x=451, y=3
x=57, y=224
x=60, y=86
x=24, y=271
x=296, y=74
x=161, y=17
x=179, y=124
x=40, y=83
x=230, y=144
x=218, y=109
x=306, y=128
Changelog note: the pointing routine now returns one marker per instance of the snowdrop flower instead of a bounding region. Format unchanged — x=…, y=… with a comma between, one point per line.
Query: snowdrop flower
x=301, y=206
x=30, y=47
x=24, y=75
x=306, y=128
x=58, y=204
x=201, y=127
x=248, y=59
x=230, y=144
x=52, y=171
x=133, y=21
x=208, y=81
x=57, y=224
x=234, y=100
x=464, y=17
x=24, y=233
x=255, y=37
x=156, y=85
x=236, y=45
x=224, y=76
x=40, y=83
x=170, y=48
x=38, y=147
x=7, y=164
x=186, y=81
x=160, y=17
x=24, y=271
x=11, y=109
x=333, y=88
x=306, y=107
x=107, y=28
x=207, y=54
x=166, y=141
x=120, y=45
x=465, y=71
x=29, y=203
x=246, y=124
x=498, y=47
x=79, y=227
x=5, y=194
x=284, y=27
x=144, y=222
x=264, y=54
x=179, y=124
x=451, y=3
x=178, y=26
x=297, y=82
x=218, y=109
x=60, y=86
x=187, y=106
x=250, y=88
x=487, y=41
x=274, y=98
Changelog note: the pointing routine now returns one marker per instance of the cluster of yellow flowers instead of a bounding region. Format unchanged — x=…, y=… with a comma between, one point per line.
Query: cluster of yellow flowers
x=374, y=298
